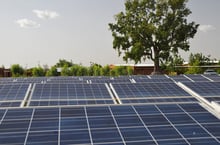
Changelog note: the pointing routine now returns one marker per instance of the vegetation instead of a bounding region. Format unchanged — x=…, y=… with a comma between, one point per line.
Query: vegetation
x=38, y=72
x=152, y=29
x=52, y=71
x=196, y=65
x=196, y=61
x=17, y=70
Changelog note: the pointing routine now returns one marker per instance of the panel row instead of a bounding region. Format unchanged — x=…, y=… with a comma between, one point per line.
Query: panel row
x=181, y=124
x=120, y=79
x=60, y=94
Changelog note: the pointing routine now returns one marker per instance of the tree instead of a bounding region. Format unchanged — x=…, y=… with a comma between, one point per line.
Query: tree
x=38, y=71
x=52, y=71
x=65, y=71
x=175, y=65
x=197, y=60
x=202, y=59
x=95, y=69
x=152, y=29
x=63, y=62
x=105, y=71
x=195, y=69
x=17, y=70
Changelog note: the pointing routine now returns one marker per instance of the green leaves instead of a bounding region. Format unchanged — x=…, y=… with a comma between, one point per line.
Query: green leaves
x=160, y=25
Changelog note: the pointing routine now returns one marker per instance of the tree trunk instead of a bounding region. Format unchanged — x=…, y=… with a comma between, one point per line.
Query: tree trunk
x=157, y=70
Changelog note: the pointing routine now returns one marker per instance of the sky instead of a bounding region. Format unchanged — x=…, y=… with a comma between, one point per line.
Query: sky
x=40, y=32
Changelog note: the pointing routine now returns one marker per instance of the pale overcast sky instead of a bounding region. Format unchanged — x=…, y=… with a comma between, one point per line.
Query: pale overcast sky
x=41, y=32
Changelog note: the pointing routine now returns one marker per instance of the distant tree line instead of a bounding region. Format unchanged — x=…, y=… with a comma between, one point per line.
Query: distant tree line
x=67, y=68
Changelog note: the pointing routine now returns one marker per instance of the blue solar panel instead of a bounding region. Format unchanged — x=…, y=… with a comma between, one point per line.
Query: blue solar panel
x=208, y=90
x=180, y=78
x=142, y=90
x=215, y=78
x=151, y=93
x=205, y=88
x=12, y=95
x=198, y=78
x=13, y=92
x=113, y=125
x=70, y=94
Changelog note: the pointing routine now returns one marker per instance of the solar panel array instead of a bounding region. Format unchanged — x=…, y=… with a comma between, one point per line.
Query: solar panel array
x=208, y=90
x=128, y=110
x=151, y=93
x=114, y=125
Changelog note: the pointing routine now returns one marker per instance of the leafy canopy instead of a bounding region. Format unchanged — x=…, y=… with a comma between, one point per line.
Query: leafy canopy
x=152, y=29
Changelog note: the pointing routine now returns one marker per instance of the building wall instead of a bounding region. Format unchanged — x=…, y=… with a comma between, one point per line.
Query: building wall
x=5, y=72
x=143, y=70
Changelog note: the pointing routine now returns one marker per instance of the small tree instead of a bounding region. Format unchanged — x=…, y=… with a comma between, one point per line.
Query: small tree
x=202, y=59
x=95, y=69
x=105, y=71
x=63, y=62
x=195, y=69
x=113, y=72
x=38, y=72
x=130, y=70
x=17, y=70
x=52, y=71
x=65, y=71
x=152, y=29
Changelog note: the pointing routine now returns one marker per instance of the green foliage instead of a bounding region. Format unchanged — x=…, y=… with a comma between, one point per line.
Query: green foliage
x=196, y=61
x=121, y=70
x=152, y=29
x=78, y=70
x=105, y=71
x=113, y=72
x=200, y=59
x=65, y=71
x=82, y=71
x=17, y=70
x=38, y=72
x=75, y=70
x=63, y=63
x=95, y=69
x=52, y=71
x=174, y=66
x=195, y=69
